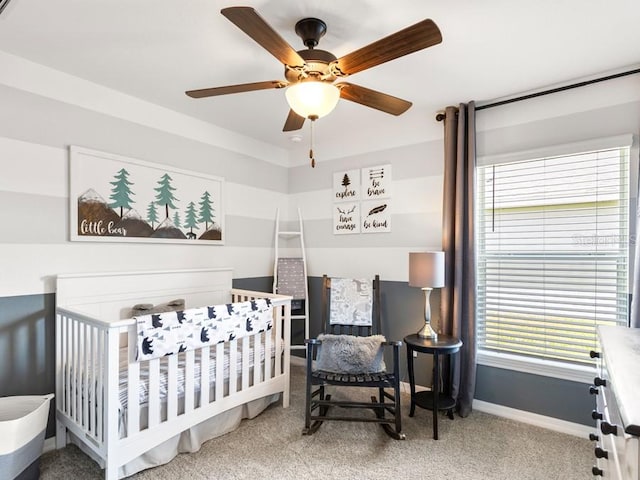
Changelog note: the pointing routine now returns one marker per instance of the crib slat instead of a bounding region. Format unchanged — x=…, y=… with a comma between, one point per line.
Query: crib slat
x=257, y=351
x=246, y=352
x=205, y=365
x=64, y=327
x=72, y=387
x=154, y=392
x=75, y=377
x=85, y=374
x=220, y=372
x=91, y=380
x=233, y=367
x=59, y=363
x=102, y=338
x=277, y=324
x=111, y=395
x=133, y=396
x=172, y=387
x=267, y=354
x=189, y=380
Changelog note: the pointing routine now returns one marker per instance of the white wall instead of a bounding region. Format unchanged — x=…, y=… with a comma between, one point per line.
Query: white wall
x=43, y=112
x=415, y=205
x=37, y=126
x=601, y=110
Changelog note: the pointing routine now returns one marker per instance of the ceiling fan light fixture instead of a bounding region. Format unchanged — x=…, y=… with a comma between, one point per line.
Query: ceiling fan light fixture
x=312, y=99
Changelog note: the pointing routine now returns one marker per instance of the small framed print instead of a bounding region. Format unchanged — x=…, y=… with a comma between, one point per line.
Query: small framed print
x=376, y=182
x=376, y=216
x=346, y=185
x=346, y=218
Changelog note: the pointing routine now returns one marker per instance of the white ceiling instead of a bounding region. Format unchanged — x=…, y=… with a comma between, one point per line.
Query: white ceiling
x=157, y=49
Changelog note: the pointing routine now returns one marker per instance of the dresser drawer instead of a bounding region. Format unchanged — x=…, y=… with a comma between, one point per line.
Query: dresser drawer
x=617, y=389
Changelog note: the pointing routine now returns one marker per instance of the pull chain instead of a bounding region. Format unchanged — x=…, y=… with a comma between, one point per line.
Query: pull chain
x=313, y=118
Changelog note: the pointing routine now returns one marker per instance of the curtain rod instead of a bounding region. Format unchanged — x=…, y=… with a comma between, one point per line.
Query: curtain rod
x=440, y=115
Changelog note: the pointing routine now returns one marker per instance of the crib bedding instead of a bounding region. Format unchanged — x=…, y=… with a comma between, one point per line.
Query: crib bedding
x=177, y=331
x=143, y=395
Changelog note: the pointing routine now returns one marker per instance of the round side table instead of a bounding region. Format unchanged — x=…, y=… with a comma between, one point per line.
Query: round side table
x=432, y=400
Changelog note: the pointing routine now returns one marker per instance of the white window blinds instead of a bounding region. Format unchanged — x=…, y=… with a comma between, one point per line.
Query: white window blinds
x=552, y=237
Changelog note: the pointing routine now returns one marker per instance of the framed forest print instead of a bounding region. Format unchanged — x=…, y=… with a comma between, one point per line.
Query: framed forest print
x=118, y=199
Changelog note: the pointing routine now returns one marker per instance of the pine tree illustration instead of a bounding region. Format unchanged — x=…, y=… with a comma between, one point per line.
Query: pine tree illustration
x=191, y=221
x=176, y=219
x=121, y=193
x=165, y=193
x=346, y=181
x=206, y=210
x=152, y=214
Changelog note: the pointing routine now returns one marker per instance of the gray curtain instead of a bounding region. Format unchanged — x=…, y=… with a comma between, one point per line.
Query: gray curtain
x=458, y=297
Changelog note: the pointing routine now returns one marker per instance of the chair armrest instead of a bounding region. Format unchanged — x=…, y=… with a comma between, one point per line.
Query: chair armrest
x=393, y=343
x=312, y=341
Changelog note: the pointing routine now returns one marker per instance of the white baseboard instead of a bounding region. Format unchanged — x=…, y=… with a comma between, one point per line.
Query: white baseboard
x=530, y=418
x=299, y=361
x=49, y=444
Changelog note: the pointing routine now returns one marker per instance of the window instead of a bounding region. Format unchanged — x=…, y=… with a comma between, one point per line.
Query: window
x=553, y=253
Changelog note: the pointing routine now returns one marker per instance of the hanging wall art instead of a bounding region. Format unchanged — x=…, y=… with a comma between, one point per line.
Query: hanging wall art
x=119, y=199
x=362, y=200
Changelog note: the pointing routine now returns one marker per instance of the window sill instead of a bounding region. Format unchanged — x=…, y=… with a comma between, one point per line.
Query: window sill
x=535, y=366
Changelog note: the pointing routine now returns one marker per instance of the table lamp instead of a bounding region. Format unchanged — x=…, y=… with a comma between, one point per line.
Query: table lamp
x=426, y=270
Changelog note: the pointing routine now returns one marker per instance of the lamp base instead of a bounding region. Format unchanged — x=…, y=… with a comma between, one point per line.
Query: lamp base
x=427, y=332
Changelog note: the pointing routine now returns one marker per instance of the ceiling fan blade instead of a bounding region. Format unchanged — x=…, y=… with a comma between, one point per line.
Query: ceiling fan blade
x=293, y=122
x=244, y=87
x=371, y=98
x=248, y=20
x=411, y=39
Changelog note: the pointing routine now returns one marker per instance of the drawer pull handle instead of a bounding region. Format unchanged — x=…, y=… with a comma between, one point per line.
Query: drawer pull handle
x=594, y=354
x=596, y=415
x=599, y=382
x=600, y=453
x=593, y=390
x=608, y=429
x=597, y=472
x=593, y=437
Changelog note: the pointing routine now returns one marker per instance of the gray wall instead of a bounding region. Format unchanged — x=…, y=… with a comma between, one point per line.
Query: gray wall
x=27, y=347
x=547, y=396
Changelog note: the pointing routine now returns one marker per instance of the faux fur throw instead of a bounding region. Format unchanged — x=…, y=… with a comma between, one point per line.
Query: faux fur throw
x=149, y=308
x=350, y=354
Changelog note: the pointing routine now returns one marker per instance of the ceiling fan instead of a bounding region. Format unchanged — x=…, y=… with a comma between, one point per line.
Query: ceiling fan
x=318, y=69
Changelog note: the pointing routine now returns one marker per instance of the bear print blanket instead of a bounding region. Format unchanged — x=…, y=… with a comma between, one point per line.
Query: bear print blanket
x=173, y=332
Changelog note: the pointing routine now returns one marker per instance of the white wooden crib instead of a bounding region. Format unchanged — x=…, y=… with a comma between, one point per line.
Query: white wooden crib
x=99, y=405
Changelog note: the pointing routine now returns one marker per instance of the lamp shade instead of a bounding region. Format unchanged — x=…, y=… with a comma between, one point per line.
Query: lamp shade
x=426, y=269
x=312, y=98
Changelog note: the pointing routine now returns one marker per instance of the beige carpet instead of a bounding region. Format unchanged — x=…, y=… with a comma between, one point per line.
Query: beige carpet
x=271, y=446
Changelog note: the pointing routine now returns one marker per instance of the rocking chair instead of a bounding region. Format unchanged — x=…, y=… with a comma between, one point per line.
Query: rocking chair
x=350, y=354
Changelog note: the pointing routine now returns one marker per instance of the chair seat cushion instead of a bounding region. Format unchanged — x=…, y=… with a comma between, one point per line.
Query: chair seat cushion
x=350, y=354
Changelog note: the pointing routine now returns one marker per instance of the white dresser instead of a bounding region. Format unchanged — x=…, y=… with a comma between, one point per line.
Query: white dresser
x=617, y=391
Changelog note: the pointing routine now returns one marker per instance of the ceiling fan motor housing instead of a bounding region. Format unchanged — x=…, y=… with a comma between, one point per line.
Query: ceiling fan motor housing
x=310, y=30
x=317, y=67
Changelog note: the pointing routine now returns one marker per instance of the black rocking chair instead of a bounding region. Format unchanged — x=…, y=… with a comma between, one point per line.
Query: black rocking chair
x=350, y=354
